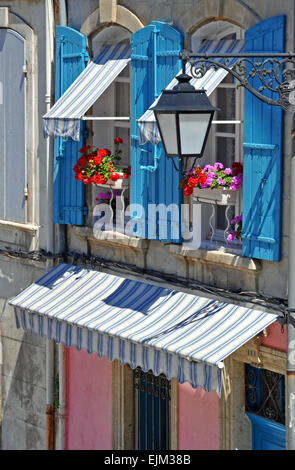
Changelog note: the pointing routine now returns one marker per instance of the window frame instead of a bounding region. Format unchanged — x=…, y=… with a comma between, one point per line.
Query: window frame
x=217, y=240
x=109, y=36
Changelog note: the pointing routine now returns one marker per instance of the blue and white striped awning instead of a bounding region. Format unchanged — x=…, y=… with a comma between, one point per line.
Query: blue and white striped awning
x=63, y=119
x=147, y=126
x=171, y=332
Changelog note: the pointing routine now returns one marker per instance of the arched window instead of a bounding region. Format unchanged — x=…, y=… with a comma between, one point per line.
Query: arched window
x=113, y=103
x=224, y=143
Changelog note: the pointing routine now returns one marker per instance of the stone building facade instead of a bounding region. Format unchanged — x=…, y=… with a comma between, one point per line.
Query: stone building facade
x=23, y=369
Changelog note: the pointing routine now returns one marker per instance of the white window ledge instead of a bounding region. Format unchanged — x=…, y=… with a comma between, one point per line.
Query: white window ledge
x=111, y=237
x=218, y=256
x=7, y=224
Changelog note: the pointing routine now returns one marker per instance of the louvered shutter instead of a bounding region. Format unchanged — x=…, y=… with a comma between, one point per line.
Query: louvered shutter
x=68, y=194
x=262, y=154
x=154, y=62
x=13, y=204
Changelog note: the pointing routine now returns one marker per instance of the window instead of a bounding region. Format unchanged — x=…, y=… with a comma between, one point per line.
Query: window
x=265, y=393
x=224, y=145
x=113, y=104
x=152, y=411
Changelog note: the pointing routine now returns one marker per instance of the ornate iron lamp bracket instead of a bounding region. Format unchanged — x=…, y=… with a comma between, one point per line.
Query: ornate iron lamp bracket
x=274, y=72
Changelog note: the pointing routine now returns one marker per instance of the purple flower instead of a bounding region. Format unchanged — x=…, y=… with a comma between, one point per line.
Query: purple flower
x=228, y=171
x=210, y=174
x=207, y=167
x=104, y=195
x=235, y=184
x=218, y=165
x=220, y=181
x=237, y=219
x=236, y=179
x=230, y=236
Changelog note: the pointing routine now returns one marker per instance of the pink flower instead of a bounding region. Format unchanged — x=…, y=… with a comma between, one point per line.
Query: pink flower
x=207, y=167
x=210, y=174
x=220, y=181
x=228, y=171
x=231, y=236
x=235, y=184
x=218, y=165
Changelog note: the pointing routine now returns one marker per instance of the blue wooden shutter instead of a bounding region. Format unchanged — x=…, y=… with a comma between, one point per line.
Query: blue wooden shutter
x=68, y=194
x=262, y=154
x=154, y=62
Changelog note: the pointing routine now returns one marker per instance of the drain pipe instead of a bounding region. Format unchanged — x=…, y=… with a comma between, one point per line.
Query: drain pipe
x=62, y=20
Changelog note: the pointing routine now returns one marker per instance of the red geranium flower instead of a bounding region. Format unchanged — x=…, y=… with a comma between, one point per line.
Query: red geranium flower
x=97, y=160
x=188, y=190
x=78, y=176
x=84, y=149
x=114, y=176
x=98, y=166
x=237, y=168
x=118, y=140
x=201, y=179
x=81, y=161
x=192, y=182
x=101, y=153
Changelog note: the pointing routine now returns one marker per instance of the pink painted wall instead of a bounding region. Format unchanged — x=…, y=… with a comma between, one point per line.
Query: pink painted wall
x=197, y=419
x=275, y=338
x=89, y=405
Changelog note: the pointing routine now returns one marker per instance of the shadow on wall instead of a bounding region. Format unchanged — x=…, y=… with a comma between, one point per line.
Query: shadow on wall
x=23, y=391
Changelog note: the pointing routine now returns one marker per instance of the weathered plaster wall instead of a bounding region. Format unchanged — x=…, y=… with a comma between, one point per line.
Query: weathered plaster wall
x=22, y=381
x=89, y=402
x=197, y=419
x=23, y=371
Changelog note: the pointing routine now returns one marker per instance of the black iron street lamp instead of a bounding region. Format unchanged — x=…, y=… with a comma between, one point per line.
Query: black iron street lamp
x=184, y=114
x=184, y=117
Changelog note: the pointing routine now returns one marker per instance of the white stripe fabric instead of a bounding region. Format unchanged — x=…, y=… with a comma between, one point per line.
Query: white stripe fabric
x=171, y=332
x=63, y=119
x=147, y=126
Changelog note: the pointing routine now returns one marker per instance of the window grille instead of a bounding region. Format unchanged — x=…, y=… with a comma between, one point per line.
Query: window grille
x=152, y=410
x=265, y=393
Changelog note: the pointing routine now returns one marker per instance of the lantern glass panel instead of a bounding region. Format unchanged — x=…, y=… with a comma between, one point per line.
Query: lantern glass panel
x=167, y=123
x=193, y=129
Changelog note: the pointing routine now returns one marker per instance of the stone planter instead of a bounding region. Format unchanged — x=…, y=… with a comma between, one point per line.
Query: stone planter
x=121, y=183
x=220, y=196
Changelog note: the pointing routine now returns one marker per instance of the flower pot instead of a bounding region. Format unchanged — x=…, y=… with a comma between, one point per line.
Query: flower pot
x=121, y=183
x=220, y=196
